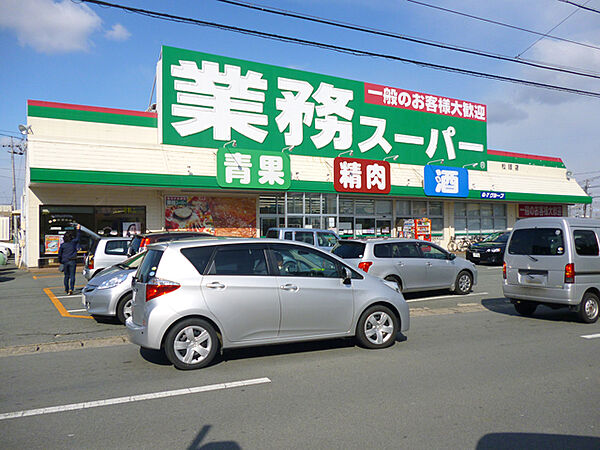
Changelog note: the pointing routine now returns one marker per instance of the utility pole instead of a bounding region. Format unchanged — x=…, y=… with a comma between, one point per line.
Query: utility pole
x=14, y=186
x=586, y=188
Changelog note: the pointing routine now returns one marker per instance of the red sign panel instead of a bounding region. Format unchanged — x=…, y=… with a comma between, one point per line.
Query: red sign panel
x=527, y=210
x=361, y=175
x=417, y=101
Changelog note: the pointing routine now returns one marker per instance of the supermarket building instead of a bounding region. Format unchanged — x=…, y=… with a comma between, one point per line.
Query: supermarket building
x=235, y=147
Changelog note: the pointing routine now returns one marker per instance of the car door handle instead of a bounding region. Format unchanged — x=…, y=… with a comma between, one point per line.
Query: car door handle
x=215, y=285
x=429, y=264
x=289, y=287
x=401, y=264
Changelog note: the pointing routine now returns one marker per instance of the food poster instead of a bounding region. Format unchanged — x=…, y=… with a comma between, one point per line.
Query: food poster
x=52, y=243
x=221, y=216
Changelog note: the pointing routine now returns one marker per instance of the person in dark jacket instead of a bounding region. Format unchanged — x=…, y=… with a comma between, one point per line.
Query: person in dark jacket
x=67, y=256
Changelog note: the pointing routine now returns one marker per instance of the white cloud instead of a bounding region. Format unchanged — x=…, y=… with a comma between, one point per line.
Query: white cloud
x=118, y=33
x=50, y=27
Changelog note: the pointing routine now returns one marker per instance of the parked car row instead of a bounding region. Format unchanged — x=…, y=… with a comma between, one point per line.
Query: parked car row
x=194, y=296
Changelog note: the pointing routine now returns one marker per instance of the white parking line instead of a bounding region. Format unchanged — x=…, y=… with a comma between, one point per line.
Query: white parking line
x=70, y=296
x=446, y=296
x=76, y=310
x=591, y=336
x=132, y=398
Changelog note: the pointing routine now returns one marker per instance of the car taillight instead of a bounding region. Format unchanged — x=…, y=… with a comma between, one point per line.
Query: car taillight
x=90, y=262
x=157, y=287
x=504, y=270
x=365, y=265
x=145, y=241
x=570, y=273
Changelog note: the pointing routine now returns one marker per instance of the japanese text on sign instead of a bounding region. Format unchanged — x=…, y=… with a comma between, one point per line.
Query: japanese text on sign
x=361, y=175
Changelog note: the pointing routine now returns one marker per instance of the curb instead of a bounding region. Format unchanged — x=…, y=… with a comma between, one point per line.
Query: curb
x=63, y=346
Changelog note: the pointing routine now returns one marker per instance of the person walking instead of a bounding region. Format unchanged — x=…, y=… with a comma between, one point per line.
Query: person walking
x=67, y=256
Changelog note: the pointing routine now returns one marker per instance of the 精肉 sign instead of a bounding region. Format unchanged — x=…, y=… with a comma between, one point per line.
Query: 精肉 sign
x=361, y=175
x=206, y=100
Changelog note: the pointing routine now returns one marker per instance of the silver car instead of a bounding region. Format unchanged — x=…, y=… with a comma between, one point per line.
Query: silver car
x=412, y=264
x=109, y=292
x=105, y=252
x=193, y=298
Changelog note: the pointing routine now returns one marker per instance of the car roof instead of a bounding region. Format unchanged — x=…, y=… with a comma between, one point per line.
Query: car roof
x=113, y=238
x=382, y=240
x=185, y=243
x=300, y=229
x=174, y=233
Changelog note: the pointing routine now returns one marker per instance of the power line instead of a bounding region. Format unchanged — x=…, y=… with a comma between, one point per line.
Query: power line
x=347, y=50
x=587, y=8
x=377, y=32
x=502, y=24
x=550, y=31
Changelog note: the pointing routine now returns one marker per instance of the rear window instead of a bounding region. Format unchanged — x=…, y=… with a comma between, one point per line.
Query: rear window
x=147, y=269
x=326, y=239
x=116, y=247
x=305, y=236
x=537, y=241
x=586, y=243
x=272, y=234
x=198, y=256
x=349, y=250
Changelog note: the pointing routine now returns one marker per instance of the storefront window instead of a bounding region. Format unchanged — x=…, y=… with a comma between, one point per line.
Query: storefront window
x=294, y=204
x=312, y=204
x=383, y=207
x=406, y=209
x=329, y=203
x=364, y=207
x=346, y=206
x=479, y=218
x=55, y=221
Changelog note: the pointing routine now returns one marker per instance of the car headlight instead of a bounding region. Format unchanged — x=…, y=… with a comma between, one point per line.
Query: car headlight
x=114, y=281
x=496, y=250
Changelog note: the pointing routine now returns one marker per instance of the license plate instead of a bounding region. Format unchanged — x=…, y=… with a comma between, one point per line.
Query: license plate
x=476, y=255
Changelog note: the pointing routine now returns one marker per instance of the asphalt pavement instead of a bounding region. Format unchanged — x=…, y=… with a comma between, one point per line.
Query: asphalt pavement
x=470, y=373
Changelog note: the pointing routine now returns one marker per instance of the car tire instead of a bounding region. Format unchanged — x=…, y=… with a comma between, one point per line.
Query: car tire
x=464, y=283
x=191, y=344
x=525, y=308
x=377, y=327
x=124, y=307
x=394, y=279
x=588, y=308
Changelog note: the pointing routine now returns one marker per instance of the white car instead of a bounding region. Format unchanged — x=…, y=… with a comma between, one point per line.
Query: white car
x=8, y=248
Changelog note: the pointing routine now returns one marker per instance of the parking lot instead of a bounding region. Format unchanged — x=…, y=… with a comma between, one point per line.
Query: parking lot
x=470, y=373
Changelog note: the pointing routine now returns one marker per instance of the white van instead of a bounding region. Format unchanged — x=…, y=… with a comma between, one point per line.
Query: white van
x=323, y=239
x=554, y=261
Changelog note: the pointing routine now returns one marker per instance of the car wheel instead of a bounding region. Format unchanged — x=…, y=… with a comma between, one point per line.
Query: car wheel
x=191, y=344
x=124, y=307
x=588, y=309
x=394, y=279
x=464, y=283
x=525, y=308
x=377, y=327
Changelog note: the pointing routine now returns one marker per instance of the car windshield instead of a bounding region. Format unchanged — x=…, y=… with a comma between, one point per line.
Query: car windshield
x=491, y=237
x=349, y=249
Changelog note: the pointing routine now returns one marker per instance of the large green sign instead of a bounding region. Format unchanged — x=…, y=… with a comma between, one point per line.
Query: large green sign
x=207, y=101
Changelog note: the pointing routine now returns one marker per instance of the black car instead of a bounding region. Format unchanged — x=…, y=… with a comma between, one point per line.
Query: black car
x=490, y=250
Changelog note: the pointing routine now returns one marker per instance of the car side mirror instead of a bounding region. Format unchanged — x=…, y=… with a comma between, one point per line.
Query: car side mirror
x=133, y=281
x=451, y=256
x=347, y=275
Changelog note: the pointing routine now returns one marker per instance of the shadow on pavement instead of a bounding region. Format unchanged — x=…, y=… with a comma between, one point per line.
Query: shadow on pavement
x=503, y=306
x=154, y=356
x=158, y=357
x=6, y=271
x=221, y=445
x=517, y=441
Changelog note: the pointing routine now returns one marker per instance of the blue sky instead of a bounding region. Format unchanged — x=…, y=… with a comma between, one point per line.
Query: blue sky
x=70, y=52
